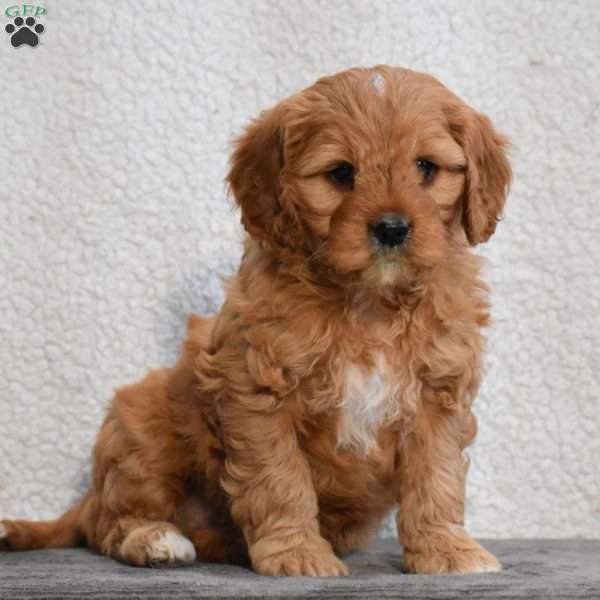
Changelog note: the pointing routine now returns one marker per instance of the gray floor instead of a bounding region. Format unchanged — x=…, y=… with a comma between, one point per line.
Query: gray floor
x=533, y=569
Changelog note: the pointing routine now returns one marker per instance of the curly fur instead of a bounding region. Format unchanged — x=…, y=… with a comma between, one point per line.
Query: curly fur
x=337, y=380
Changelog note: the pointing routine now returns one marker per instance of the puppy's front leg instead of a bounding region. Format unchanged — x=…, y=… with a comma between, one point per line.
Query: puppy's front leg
x=273, y=499
x=430, y=519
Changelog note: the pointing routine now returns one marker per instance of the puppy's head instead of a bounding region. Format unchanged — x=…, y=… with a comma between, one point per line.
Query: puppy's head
x=375, y=173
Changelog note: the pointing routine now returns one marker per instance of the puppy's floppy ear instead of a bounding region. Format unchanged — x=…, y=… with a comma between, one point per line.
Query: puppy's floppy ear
x=488, y=173
x=257, y=180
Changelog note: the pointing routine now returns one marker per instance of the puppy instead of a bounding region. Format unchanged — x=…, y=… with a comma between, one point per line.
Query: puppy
x=337, y=380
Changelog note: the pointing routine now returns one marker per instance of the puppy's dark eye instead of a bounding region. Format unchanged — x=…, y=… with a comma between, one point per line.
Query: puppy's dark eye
x=427, y=168
x=342, y=175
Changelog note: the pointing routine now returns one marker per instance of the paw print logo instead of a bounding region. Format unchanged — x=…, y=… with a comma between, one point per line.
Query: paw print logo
x=24, y=33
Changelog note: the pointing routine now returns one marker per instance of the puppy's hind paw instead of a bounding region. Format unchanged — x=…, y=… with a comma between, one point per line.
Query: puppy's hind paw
x=157, y=545
x=171, y=547
x=3, y=537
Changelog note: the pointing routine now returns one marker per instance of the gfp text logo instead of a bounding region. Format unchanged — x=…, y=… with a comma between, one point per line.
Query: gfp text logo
x=24, y=30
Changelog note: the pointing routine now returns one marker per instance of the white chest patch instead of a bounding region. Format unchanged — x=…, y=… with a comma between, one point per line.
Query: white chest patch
x=370, y=398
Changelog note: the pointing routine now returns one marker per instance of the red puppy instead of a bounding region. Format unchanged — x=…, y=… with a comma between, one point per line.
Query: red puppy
x=338, y=377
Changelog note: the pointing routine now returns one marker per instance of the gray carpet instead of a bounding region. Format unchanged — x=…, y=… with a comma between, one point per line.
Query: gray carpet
x=534, y=569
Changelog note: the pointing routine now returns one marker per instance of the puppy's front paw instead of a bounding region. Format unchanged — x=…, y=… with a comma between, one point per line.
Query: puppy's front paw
x=472, y=560
x=302, y=562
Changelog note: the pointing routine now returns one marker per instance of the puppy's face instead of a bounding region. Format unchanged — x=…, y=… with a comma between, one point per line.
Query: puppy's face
x=376, y=173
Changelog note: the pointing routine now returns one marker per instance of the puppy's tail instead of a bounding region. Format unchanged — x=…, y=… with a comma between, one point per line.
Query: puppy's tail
x=64, y=532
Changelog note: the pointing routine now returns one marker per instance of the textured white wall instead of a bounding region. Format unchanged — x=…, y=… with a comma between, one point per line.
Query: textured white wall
x=114, y=223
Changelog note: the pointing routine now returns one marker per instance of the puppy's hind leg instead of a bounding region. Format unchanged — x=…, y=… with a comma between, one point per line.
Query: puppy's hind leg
x=141, y=464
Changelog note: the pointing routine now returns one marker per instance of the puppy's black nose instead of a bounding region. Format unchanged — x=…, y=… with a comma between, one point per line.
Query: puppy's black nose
x=390, y=230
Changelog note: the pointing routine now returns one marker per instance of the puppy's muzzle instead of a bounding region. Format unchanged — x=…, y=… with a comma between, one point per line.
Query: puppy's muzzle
x=390, y=230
